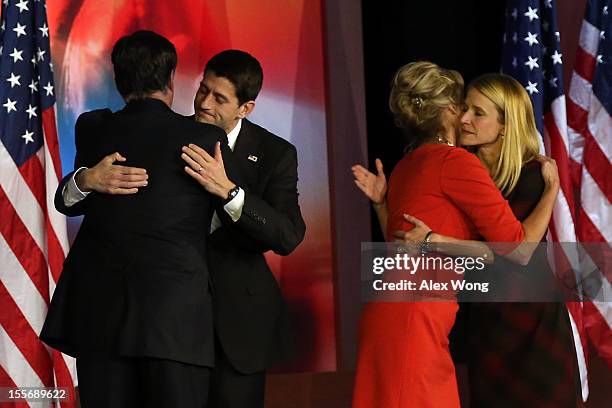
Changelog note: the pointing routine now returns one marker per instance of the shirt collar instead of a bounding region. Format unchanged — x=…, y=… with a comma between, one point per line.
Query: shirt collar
x=233, y=135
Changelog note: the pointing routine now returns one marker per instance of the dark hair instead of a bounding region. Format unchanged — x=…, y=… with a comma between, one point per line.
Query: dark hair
x=143, y=63
x=241, y=69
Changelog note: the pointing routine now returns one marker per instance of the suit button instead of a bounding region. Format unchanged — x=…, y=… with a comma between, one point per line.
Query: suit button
x=263, y=220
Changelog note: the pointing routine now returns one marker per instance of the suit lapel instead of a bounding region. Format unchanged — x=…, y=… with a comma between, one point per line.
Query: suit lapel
x=248, y=155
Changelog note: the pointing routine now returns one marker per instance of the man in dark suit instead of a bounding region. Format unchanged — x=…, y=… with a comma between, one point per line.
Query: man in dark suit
x=250, y=316
x=261, y=213
x=133, y=303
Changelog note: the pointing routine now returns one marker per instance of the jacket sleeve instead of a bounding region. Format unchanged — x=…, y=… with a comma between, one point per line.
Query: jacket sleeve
x=274, y=220
x=88, y=154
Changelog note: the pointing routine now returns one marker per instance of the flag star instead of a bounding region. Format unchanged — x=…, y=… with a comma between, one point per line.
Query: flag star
x=33, y=86
x=14, y=79
x=51, y=66
x=556, y=57
x=532, y=14
x=553, y=82
x=40, y=53
x=599, y=59
x=548, y=3
x=558, y=35
x=514, y=62
x=515, y=38
x=5, y=2
x=602, y=35
x=514, y=13
x=532, y=88
x=531, y=39
x=22, y=5
x=3, y=26
x=545, y=50
x=605, y=10
x=1, y=47
x=532, y=63
x=27, y=136
x=44, y=30
x=16, y=55
x=20, y=30
x=10, y=105
x=48, y=88
x=31, y=111
x=33, y=60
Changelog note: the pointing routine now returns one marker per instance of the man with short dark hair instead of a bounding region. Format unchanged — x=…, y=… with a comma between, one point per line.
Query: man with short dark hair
x=133, y=303
x=261, y=213
x=250, y=315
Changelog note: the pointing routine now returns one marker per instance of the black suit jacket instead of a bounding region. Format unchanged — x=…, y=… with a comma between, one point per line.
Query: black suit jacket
x=135, y=282
x=250, y=314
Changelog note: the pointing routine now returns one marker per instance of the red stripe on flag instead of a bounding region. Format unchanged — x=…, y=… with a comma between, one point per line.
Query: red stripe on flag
x=587, y=231
x=597, y=164
x=51, y=140
x=6, y=381
x=34, y=175
x=21, y=333
x=599, y=332
x=23, y=246
x=577, y=118
x=585, y=64
x=558, y=151
x=55, y=252
x=63, y=378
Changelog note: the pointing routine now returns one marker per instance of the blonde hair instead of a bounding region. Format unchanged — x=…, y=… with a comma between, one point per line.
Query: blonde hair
x=515, y=112
x=420, y=91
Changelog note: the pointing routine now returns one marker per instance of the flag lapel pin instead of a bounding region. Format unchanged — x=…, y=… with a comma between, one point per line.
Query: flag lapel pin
x=252, y=158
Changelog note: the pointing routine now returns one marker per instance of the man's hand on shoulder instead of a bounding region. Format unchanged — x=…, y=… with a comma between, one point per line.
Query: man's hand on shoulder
x=106, y=177
x=207, y=170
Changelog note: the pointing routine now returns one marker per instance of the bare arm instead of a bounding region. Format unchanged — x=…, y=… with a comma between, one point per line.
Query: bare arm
x=374, y=186
x=534, y=226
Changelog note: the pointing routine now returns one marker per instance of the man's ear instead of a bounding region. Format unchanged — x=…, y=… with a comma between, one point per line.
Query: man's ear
x=245, y=109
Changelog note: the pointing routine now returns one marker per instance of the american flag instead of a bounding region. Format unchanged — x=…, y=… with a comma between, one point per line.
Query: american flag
x=33, y=240
x=590, y=135
x=532, y=55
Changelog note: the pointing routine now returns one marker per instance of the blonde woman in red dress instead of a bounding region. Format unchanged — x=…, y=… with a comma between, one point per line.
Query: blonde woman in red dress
x=404, y=359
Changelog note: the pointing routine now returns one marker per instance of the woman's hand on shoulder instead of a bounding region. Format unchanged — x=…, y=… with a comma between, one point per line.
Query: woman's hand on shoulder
x=550, y=172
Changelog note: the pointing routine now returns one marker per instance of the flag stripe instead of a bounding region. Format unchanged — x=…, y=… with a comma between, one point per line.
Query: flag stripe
x=25, y=339
x=558, y=150
x=63, y=378
x=585, y=65
x=21, y=198
x=22, y=291
x=589, y=38
x=25, y=249
x=51, y=140
x=34, y=176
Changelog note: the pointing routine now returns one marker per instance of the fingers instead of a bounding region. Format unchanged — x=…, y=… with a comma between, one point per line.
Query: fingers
x=218, y=155
x=379, y=167
x=123, y=191
x=193, y=163
x=195, y=150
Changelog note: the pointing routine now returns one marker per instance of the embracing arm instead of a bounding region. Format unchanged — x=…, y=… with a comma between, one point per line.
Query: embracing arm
x=270, y=221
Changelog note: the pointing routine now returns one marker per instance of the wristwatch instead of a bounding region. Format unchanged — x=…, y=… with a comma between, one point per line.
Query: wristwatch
x=231, y=194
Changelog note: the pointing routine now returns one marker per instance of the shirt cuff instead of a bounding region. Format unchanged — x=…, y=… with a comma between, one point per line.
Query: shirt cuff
x=234, y=207
x=72, y=194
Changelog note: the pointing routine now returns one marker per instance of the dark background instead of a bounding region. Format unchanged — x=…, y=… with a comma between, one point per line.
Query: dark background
x=461, y=35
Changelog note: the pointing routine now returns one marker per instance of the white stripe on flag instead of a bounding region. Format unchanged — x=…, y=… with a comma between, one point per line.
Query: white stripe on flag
x=600, y=125
x=597, y=206
x=21, y=288
x=582, y=367
x=581, y=91
x=589, y=38
x=15, y=365
x=22, y=198
x=576, y=145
